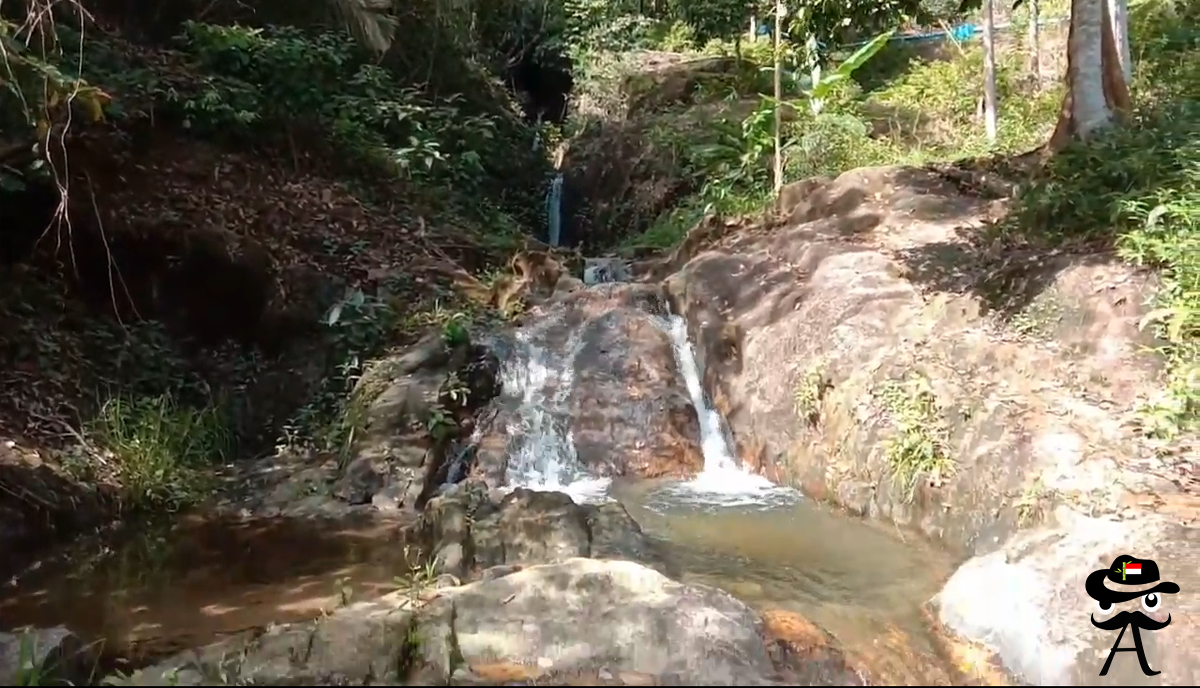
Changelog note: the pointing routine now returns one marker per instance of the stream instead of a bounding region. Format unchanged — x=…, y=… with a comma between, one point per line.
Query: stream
x=155, y=590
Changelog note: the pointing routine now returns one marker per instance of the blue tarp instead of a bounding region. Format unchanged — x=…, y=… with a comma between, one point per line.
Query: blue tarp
x=960, y=33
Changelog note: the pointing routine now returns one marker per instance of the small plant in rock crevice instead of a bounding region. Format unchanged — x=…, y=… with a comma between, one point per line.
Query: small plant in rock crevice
x=1034, y=503
x=420, y=575
x=809, y=394
x=918, y=446
x=454, y=330
x=344, y=591
x=440, y=424
x=455, y=389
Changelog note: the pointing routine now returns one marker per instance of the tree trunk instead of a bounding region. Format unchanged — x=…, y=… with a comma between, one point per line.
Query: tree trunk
x=778, y=171
x=1097, y=91
x=1034, y=40
x=1118, y=10
x=989, y=71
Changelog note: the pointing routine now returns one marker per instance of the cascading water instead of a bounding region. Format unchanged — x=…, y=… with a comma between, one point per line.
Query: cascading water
x=554, y=209
x=721, y=481
x=543, y=454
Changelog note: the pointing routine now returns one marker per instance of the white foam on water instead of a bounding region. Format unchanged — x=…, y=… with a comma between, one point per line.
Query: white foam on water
x=544, y=456
x=722, y=481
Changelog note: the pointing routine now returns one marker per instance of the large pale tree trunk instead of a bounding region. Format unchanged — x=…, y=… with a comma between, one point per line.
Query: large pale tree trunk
x=1119, y=11
x=1097, y=77
x=989, y=71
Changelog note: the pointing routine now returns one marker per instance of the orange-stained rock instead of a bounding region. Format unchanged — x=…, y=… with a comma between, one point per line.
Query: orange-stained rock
x=806, y=653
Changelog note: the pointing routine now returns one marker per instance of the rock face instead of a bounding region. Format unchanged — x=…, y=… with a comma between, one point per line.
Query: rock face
x=600, y=368
x=1027, y=602
x=408, y=413
x=468, y=533
x=864, y=349
x=619, y=621
x=45, y=657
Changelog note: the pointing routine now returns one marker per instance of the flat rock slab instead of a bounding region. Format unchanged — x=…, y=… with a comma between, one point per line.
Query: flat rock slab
x=578, y=622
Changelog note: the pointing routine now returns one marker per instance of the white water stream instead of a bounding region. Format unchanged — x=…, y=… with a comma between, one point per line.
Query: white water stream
x=544, y=458
x=722, y=481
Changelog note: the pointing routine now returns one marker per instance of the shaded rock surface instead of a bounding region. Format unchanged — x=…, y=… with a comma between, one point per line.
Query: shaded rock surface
x=867, y=347
x=553, y=624
x=46, y=657
x=406, y=412
x=593, y=373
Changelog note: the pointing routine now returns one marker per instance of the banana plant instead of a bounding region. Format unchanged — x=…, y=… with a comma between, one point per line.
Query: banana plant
x=816, y=86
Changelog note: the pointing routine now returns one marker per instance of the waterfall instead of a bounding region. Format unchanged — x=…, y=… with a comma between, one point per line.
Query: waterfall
x=543, y=456
x=539, y=384
x=554, y=209
x=722, y=480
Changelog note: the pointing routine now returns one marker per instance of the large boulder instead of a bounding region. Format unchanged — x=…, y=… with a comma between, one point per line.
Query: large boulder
x=1027, y=603
x=866, y=348
x=591, y=383
x=469, y=532
x=615, y=621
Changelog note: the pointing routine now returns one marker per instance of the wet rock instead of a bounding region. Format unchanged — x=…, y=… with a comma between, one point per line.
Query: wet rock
x=598, y=270
x=810, y=653
x=611, y=386
x=470, y=534
x=395, y=457
x=46, y=657
x=855, y=496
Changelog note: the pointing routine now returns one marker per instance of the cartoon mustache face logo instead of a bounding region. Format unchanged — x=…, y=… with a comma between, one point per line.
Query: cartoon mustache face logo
x=1128, y=571
x=1136, y=619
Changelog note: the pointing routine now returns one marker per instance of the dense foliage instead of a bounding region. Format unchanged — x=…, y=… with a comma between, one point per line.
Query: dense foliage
x=420, y=101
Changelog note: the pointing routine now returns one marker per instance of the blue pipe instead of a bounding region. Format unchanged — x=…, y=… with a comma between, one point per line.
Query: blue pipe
x=960, y=33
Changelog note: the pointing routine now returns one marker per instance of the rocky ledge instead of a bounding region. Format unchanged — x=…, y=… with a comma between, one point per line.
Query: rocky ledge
x=551, y=624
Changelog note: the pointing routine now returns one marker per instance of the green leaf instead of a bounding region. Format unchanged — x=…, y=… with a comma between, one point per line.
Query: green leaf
x=860, y=56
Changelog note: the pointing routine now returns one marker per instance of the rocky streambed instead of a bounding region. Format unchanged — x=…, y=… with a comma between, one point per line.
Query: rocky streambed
x=598, y=510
